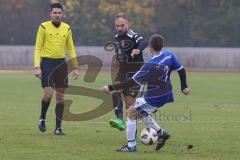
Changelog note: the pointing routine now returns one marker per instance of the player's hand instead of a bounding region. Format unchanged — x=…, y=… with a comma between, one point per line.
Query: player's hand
x=38, y=73
x=135, y=52
x=105, y=89
x=186, y=91
x=76, y=73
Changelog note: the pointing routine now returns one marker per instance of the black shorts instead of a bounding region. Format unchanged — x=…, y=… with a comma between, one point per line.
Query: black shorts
x=54, y=73
x=122, y=71
x=134, y=91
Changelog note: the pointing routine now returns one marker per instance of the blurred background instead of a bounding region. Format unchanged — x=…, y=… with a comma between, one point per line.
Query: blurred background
x=214, y=23
x=203, y=34
x=189, y=26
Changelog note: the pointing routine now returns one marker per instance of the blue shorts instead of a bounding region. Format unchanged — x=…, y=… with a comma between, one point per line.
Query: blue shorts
x=54, y=73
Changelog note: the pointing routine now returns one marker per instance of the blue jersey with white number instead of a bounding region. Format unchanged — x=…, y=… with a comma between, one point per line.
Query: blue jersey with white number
x=156, y=74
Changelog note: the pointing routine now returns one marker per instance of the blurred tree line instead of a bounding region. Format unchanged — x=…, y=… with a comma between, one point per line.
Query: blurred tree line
x=214, y=23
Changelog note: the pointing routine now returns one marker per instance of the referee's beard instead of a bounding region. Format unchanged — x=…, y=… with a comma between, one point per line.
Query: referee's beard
x=56, y=22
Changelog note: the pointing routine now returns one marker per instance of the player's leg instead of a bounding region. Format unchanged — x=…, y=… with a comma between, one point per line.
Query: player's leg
x=117, y=102
x=131, y=128
x=116, y=98
x=118, y=109
x=129, y=101
x=145, y=111
x=163, y=135
x=119, y=122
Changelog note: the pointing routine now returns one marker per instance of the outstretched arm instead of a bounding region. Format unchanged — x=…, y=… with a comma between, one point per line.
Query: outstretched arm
x=119, y=86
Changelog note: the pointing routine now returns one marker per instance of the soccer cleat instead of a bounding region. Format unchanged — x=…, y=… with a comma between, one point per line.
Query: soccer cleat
x=58, y=132
x=42, y=125
x=127, y=149
x=118, y=123
x=163, y=136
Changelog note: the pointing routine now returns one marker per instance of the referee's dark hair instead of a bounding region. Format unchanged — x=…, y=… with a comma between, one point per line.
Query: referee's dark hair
x=156, y=42
x=121, y=15
x=56, y=5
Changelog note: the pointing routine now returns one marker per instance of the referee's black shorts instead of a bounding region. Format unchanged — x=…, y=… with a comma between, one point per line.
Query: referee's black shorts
x=54, y=73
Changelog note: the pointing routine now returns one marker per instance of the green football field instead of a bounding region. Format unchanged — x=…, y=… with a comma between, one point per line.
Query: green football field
x=208, y=119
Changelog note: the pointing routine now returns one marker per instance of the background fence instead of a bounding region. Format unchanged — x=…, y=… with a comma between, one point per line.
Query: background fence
x=199, y=58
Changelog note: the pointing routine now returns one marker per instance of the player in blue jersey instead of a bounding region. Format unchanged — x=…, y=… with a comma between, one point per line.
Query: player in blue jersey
x=156, y=75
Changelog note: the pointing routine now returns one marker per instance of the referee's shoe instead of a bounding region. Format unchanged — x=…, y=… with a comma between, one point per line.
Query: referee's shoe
x=58, y=132
x=42, y=125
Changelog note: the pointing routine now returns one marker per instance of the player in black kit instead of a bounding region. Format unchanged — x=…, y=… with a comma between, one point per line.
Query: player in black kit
x=128, y=60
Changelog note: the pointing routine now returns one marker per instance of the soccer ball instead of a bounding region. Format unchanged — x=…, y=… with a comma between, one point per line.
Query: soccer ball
x=148, y=136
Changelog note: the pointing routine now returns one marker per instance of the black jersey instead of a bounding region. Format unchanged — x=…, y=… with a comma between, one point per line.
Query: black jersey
x=127, y=42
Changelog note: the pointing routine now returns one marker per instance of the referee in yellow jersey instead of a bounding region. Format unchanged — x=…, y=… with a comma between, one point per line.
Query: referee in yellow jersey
x=49, y=62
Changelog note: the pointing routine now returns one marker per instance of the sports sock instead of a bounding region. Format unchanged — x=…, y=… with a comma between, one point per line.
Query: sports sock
x=118, y=105
x=44, y=109
x=131, y=132
x=59, y=114
x=150, y=122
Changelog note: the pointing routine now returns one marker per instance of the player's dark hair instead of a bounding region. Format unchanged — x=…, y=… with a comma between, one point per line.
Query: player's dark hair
x=156, y=42
x=56, y=5
x=121, y=15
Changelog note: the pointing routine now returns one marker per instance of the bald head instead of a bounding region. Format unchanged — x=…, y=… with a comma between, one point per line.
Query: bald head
x=121, y=23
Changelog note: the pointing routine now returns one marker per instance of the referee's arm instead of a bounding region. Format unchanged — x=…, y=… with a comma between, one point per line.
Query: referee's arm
x=38, y=46
x=71, y=50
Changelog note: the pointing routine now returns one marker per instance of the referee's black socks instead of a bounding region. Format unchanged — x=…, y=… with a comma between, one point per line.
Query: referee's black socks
x=59, y=114
x=45, y=106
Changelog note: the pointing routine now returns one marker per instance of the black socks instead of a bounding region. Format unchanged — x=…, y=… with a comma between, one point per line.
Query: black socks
x=59, y=114
x=45, y=106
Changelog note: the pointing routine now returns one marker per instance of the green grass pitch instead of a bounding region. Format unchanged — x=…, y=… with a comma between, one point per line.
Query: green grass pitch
x=208, y=119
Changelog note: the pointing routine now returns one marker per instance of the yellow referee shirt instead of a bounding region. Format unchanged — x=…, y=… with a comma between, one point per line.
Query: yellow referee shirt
x=52, y=41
